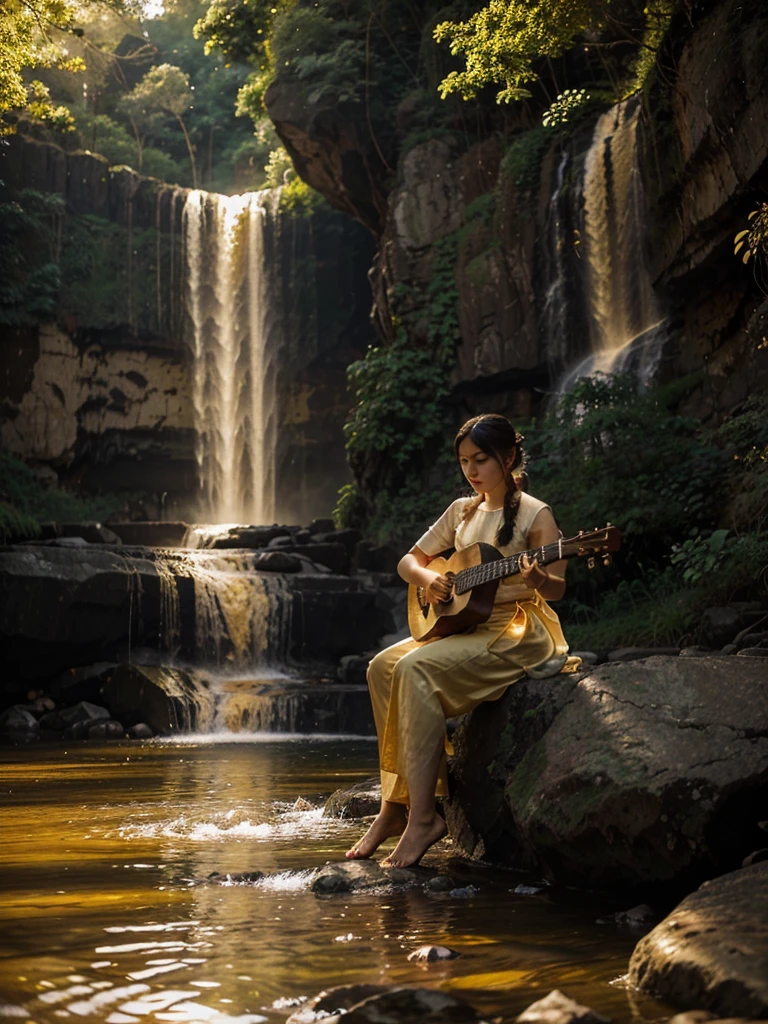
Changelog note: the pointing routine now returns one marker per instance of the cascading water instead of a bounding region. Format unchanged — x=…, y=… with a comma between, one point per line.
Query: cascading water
x=233, y=388
x=626, y=324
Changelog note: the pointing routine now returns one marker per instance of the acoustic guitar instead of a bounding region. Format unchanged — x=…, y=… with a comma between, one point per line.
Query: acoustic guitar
x=476, y=572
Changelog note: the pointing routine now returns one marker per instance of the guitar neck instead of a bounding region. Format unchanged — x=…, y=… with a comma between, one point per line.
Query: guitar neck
x=477, y=574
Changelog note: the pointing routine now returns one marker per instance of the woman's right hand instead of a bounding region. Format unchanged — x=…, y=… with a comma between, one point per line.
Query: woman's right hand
x=439, y=589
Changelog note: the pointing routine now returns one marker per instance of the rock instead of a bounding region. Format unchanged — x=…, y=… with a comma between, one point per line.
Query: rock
x=638, y=653
x=636, y=917
x=353, y=669
x=247, y=537
x=40, y=707
x=324, y=526
x=557, y=1008
x=753, y=652
x=347, y=538
x=281, y=542
x=756, y=857
x=719, y=626
x=357, y=875
x=359, y=801
x=277, y=561
x=588, y=658
x=699, y=652
x=18, y=724
x=151, y=534
x=727, y=651
x=53, y=722
x=428, y=954
x=440, y=883
x=92, y=533
x=82, y=683
x=140, y=731
x=630, y=773
x=711, y=952
x=376, y=558
x=234, y=877
x=108, y=730
x=300, y=804
x=397, y=1006
x=692, y=1017
x=527, y=890
x=84, y=711
x=334, y=1001
x=165, y=698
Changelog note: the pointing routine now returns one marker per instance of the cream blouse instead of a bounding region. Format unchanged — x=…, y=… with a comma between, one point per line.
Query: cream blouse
x=451, y=532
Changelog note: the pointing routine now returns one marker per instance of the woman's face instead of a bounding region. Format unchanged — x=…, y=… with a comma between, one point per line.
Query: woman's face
x=483, y=471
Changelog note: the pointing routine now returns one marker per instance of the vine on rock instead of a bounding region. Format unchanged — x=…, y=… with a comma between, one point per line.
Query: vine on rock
x=401, y=416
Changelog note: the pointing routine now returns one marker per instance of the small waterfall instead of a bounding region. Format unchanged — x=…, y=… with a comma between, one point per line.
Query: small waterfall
x=233, y=390
x=556, y=312
x=626, y=324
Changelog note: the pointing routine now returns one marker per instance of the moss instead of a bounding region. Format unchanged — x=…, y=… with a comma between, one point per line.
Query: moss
x=525, y=776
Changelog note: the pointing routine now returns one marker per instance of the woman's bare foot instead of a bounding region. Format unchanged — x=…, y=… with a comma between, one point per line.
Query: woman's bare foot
x=388, y=823
x=415, y=841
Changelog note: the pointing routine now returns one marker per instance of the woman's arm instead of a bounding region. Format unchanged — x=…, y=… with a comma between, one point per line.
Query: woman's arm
x=549, y=581
x=413, y=569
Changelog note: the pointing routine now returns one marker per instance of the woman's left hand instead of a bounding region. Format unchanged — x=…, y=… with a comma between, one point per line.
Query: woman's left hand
x=533, y=576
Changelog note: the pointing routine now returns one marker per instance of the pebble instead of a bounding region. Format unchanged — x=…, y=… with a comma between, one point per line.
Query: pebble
x=428, y=954
x=526, y=890
x=440, y=883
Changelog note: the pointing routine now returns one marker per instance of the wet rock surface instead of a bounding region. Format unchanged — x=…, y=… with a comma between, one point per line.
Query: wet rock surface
x=359, y=875
x=638, y=772
x=711, y=952
x=557, y=1008
x=359, y=801
x=385, y=1006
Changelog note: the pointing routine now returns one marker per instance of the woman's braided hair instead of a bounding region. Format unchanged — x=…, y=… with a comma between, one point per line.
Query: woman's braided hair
x=495, y=435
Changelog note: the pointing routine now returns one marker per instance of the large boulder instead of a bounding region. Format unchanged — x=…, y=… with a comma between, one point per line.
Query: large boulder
x=167, y=699
x=711, y=952
x=648, y=771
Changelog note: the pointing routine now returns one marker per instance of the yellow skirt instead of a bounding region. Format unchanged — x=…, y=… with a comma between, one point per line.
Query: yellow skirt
x=415, y=686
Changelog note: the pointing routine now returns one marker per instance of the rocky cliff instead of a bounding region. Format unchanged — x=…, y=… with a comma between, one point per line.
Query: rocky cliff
x=515, y=221
x=99, y=394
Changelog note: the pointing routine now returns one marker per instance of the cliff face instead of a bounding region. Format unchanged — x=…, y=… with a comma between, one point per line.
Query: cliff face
x=517, y=227
x=102, y=394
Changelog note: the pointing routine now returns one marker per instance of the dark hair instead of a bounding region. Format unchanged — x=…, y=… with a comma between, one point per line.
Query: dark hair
x=495, y=435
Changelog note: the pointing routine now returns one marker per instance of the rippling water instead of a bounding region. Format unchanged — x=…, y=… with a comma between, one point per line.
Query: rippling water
x=102, y=919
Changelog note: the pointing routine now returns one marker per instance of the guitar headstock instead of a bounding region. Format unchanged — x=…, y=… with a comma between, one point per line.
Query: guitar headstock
x=593, y=542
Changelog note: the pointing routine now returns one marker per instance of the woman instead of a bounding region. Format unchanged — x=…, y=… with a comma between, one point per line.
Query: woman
x=415, y=686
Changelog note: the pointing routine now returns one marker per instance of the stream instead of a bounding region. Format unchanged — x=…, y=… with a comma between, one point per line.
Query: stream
x=102, y=916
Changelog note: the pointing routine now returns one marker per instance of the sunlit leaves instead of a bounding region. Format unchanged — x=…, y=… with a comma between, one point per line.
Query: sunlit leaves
x=564, y=107
x=501, y=41
x=753, y=240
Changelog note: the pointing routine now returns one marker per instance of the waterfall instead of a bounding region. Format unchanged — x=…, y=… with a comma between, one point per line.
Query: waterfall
x=233, y=386
x=625, y=322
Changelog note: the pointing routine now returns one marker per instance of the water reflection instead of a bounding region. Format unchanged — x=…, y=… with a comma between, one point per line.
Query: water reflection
x=107, y=916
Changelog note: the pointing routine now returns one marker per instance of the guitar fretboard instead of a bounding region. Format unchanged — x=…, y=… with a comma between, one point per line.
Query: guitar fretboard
x=477, y=574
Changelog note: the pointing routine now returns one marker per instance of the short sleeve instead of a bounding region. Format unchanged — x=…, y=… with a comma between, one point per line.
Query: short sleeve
x=442, y=534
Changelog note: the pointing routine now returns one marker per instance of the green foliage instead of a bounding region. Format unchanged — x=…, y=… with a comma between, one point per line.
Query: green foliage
x=401, y=393
x=501, y=42
x=298, y=199
x=744, y=437
x=28, y=41
x=29, y=274
x=277, y=167
x=563, y=109
x=25, y=502
x=752, y=243
x=609, y=452
x=658, y=15
x=522, y=161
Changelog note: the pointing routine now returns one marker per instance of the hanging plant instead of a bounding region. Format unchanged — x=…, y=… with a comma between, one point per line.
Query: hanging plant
x=754, y=239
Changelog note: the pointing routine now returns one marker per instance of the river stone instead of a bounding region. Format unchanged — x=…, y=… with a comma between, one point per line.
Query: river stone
x=356, y=875
x=165, y=698
x=277, y=561
x=332, y=1001
x=639, y=653
x=557, y=1008
x=140, y=731
x=83, y=711
x=16, y=723
x=711, y=952
x=429, y=954
x=631, y=773
x=108, y=730
x=400, y=1006
x=359, y=801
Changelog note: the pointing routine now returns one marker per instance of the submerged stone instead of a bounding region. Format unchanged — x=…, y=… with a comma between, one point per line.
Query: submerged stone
x=429, y=954
x=357, y=875
x=16, y=723
x=395, y=1005
x=557, y=1008
x=711, y=952
x=359, y=801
